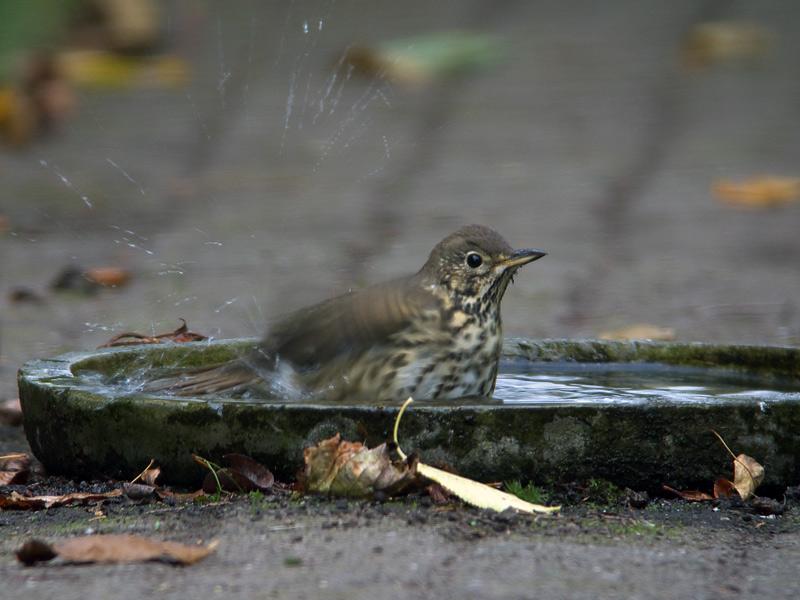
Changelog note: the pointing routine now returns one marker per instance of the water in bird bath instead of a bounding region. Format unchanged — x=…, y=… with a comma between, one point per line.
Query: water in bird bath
x=632, y=384
x=538, y=383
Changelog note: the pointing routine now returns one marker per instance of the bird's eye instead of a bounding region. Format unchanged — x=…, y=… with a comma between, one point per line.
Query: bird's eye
x=474, y=260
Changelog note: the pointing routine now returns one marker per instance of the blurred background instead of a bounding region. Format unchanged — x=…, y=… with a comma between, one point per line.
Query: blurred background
x=226, y=162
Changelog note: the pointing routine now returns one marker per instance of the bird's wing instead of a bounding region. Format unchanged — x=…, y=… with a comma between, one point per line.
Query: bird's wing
x=347, y=324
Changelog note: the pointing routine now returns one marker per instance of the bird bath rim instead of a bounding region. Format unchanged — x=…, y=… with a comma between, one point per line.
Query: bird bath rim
x=75, y=431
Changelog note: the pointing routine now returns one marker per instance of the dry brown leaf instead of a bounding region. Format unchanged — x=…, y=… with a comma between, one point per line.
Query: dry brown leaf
x=759, y=192
x=11, y=412
x=724, y=488
x=14, y=468
x=20, y=502
x=342, y=468
x=719, y=41
x=257, y=475
x=112, y=549
x=243, y=474
x=19, y=295
x=178, y=336
x=747, y=475
x=639, y=331
x=747, y=471
x=150, y=475
x=108, y=276
x=689, y=495
x=138, y=491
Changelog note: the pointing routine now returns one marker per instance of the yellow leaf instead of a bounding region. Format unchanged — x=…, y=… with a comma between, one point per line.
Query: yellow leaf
x=747, y=475
x=759, y=192
x=639, y=331
x=723, y=41
x=480, y=494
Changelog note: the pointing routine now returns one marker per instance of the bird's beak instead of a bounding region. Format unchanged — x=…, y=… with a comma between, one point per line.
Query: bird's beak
x=521, y=257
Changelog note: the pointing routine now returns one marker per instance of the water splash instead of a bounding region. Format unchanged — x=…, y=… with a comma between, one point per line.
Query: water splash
x=63, y=178
x=127, y=176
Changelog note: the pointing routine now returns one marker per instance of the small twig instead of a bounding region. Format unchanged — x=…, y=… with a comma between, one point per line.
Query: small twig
x=397, y=426
x=719, y=437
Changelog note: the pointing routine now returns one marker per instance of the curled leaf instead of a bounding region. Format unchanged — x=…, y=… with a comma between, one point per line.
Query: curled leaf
x=179, y=335
x=342, y=468
x=747, y=475
x=20, y=502
x=724, y=488
x=14, y=468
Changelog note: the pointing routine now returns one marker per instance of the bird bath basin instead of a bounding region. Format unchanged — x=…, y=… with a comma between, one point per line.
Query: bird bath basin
x=635, y=413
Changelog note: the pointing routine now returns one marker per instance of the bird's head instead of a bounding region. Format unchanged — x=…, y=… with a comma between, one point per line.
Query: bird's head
x=476, y=262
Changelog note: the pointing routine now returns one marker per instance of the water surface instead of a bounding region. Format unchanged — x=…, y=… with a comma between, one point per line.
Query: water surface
x=634, y=384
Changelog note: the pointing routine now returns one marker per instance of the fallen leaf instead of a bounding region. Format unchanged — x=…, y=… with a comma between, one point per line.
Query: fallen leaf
x=112, y=549
x=747, y=475
x=19, y=502
x=479, y=494
x=150, y=475
x=20, y=295
x=179, y=336
x=102, y=69
x=73, y=279
x=108, y=276
x=720, y=41
x=11, y=412
x=257, y=475
x=14, y=468
x=724, y=488
x=747, y=471
x=759, y=192
x=242, y=474
x=342, y=468
x=689, y=495
x=138, y=491
x=639, y=331
x=423, y=59
x=18, y=121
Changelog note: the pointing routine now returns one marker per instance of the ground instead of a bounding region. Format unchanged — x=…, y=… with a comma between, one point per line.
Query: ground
x=252, y=191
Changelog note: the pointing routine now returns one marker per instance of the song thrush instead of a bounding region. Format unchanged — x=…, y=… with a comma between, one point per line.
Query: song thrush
x=433, y=335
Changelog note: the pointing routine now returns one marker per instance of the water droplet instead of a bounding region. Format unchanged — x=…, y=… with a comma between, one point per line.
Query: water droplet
x=305, y=26
x=319, y=25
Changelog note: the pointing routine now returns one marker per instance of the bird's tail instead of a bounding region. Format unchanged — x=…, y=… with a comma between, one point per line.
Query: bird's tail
x=229, y=378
